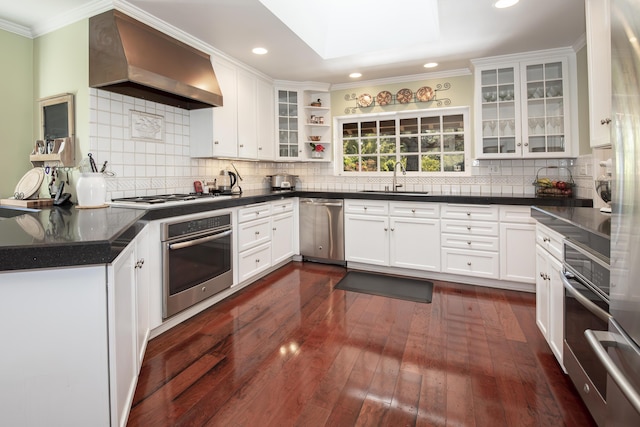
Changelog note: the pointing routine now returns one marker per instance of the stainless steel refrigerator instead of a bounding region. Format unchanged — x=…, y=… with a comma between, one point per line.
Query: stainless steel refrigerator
x=618, y=348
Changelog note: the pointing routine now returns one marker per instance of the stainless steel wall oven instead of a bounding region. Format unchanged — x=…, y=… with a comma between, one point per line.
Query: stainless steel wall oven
x=196, y=260
x=586, y=307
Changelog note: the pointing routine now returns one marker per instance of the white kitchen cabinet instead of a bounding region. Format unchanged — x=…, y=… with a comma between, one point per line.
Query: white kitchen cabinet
x=143, y=282
x=549, y=289
x=297, y=120
x=470, y=240
x=598, y=14
x=283, y=229
x=123, y=328
x=396, y=234
x=265, y=121
x=214, y=131
x=254, y=261
x=517, y=244
x=526, y=105
x=247, y=115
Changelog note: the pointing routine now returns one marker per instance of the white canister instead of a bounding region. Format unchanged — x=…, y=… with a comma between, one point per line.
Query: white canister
x=91, y=189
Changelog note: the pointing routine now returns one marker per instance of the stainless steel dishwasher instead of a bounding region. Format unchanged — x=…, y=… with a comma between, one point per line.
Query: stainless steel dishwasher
x=322, y=230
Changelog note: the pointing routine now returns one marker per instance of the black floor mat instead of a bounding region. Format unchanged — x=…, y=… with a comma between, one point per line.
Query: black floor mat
x=387, y=286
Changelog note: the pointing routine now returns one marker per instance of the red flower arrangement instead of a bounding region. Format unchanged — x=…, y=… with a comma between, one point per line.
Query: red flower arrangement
x=316, y=147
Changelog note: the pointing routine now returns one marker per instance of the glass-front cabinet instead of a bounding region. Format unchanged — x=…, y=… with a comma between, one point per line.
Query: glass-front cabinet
x=527, y=107
x=288, y=135
x=303, y=122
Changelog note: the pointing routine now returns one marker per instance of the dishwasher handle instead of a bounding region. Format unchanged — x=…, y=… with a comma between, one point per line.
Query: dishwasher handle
x=321, y=202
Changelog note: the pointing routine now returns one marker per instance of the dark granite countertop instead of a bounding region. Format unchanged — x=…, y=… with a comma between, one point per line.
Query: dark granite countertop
x=67, y=236
x=585, y=226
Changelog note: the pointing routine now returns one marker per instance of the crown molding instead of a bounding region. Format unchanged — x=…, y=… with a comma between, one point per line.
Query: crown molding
x=403, y=79
x=20, y=30
x=62, y=20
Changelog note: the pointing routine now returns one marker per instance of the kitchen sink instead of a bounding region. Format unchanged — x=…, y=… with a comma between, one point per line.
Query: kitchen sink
x=396, y=193
x=11, y=211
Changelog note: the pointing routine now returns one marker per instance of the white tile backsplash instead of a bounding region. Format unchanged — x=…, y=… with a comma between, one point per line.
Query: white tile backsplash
x=144, y=167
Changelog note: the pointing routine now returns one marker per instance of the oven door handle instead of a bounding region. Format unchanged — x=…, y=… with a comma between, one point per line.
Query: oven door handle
x=189, y=243
x=597, y=311
x=598, y=340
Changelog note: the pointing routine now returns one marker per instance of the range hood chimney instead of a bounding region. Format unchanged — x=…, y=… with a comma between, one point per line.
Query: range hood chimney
x=131, y=58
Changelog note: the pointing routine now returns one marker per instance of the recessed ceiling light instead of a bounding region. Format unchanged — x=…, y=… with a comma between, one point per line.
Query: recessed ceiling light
x=430, y=65
x=501, y=4
x=355, y=75
x=259, y=50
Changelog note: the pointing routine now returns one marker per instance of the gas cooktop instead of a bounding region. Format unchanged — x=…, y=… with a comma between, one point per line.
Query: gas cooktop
x=146, y=202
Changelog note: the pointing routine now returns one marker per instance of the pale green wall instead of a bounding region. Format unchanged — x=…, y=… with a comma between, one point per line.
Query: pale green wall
x=61, y=65
x=16, y=109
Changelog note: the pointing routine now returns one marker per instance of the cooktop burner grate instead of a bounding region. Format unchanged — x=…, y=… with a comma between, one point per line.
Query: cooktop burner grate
x=163, y=198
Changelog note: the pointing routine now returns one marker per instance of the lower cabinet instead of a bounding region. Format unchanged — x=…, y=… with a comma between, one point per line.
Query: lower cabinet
x=266, y=233
x=550, y=291
x=396, y=234
x=470, y=244
x=517, y=244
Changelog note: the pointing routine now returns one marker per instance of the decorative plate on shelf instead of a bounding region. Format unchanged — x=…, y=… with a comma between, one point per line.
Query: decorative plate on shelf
x=365, y=100
x=424, y=94
x=404, y=96
x=384, y=98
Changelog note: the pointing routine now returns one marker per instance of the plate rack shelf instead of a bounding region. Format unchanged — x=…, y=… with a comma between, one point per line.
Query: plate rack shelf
x=402, y=97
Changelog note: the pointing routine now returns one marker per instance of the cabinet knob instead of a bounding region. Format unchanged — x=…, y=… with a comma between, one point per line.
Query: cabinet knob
x=468, y=262
x=241, y=145
x=365, y=208
x=274, y=229
x=546, y=239
x=526, y=144
x=385, y=229
x=413, y=211
x=519, y=144
x=605, y=121
x=392, y=229
x=542, y=274
x=215, y=142
x=257, y=259
x=469, y=243
x=257, y=232
x=468, y=213
x=259, y=148
x=468, y=227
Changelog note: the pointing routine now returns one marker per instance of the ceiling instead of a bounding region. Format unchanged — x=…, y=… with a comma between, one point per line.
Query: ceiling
x=467, y=29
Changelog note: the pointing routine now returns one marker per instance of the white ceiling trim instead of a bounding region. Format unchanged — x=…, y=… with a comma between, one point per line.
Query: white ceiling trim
x=62, y=20
x=20, y=30
x=403, y=79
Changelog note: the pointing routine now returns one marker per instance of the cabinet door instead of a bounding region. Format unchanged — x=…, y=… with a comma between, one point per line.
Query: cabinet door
x=367, y=239
x=247, y=115
x=545, y=113
x=225, y=118
x=517, y=249
x=556, y=308
x=142, y=292
x=542, y=291
x=498, y=102
x=415, y=243
x=123, y=355
x=288, y=125
x=282, y=239
x=253, y=261
x=599, y=71
x=265, y=121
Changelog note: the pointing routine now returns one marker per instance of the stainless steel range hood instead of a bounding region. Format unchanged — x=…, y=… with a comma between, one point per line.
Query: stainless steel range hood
x=131, y=58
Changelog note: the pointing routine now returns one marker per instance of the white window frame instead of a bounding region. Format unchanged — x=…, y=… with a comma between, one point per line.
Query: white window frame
x=397, y=115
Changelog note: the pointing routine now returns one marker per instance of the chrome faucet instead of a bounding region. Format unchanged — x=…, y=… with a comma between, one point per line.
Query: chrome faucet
x=395, y=179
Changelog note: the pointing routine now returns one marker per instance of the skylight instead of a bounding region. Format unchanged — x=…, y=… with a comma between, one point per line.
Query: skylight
x=338, y=28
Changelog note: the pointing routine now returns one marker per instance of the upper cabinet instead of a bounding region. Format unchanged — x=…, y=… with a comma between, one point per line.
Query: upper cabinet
x=303, y=117
x=243, y=126
x=526, y=106
x=599, y=69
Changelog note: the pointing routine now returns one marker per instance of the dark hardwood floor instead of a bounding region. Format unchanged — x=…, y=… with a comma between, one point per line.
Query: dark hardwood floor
x=291, y=350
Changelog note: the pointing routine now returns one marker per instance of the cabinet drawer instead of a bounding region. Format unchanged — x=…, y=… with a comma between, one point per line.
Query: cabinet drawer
x=469, y=228
x=470, y=263
x=254, y=261
x=550, y=240
x=366, y=207
x=520, y=214
x=485, y=243
x=256, y=211
x=253, y=233
x=472, y=212
x=414, y=210
x=281, y=206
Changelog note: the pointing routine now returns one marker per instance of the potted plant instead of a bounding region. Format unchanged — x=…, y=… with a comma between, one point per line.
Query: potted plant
x=317, y=149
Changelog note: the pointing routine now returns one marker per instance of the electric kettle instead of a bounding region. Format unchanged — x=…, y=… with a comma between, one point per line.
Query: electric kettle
x=225, y=182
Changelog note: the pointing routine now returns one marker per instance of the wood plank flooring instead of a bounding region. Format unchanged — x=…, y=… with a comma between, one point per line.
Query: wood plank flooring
x=292, y=351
